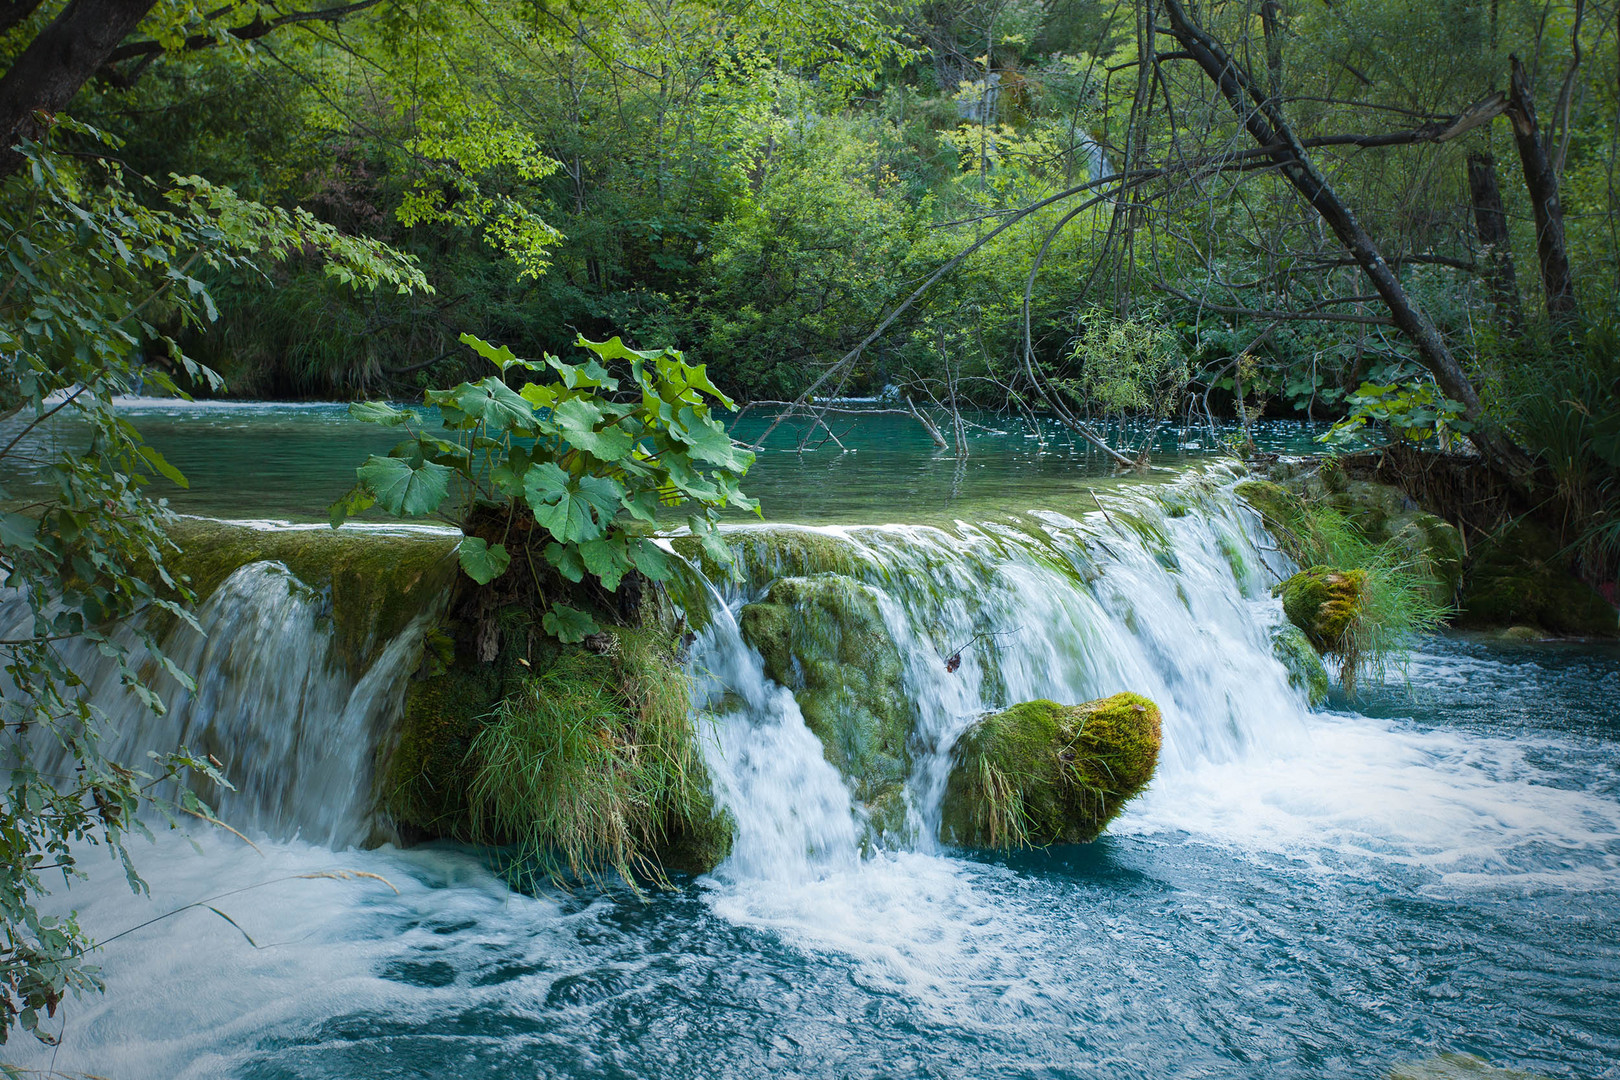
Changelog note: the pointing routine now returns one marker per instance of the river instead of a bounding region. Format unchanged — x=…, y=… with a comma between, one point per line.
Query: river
x=1434, y=867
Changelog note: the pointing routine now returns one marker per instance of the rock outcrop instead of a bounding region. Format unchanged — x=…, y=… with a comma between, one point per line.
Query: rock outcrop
x=1042, y=773
x=824, y=638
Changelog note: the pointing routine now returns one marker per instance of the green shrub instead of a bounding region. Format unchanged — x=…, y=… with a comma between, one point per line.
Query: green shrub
x=592, y=766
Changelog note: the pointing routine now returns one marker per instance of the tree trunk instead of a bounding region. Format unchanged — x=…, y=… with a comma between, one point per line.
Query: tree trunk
x=1556, y=279
x=1490, y=219
x=1265, y=123
x=56, y=63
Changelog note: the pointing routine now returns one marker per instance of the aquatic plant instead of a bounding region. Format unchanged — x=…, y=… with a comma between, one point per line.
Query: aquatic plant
x=1042, y=773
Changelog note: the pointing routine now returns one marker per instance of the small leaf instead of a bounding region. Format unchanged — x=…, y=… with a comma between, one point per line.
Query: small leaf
x=706, y=440
x=565, y=557
x=483, y=561
x=571, y=509
x=647, y=557
x=568, y=625
x=161, y=464
x=380, y=412
x=18, y=531
x=488, y=400
x=606, y=560
x=357, y=499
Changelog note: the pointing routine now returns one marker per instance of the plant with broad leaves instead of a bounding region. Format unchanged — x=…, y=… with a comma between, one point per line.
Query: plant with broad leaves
x=588, y=456
x=1412, y=411
x=101, y=268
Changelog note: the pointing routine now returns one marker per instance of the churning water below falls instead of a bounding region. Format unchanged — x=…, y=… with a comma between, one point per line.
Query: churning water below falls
x=1433, y=868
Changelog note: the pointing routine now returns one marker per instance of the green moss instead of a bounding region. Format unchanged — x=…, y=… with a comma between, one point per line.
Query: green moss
x=1306, y=672
x=1043, y=773
x=1431, y=548
x=824, y=638
x=765, y=553
x=1457, y=1067
x=1323, y=602
x=1282, y=511
x=575, y=762
x=592, y=766
x=1519, y=577
x=425, y=778
x=377, y=581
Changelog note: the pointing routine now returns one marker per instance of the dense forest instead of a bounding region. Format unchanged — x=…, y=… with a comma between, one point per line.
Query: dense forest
x=1400, y=214
x=1399, y=220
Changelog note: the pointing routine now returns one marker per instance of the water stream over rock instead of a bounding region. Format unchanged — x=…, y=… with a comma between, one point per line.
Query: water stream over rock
x=1299, y=893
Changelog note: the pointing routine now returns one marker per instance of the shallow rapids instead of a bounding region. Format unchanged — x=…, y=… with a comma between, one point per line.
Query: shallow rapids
x=1299, y=894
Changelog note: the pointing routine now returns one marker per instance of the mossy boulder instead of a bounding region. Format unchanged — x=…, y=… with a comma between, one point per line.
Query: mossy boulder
x=1042, y=773
x=1431, y=547
x=426, y=774
x=1519, y=577
x=1306, y=672
x=1383, y=515
x=1323, y=602
x=824, y=638
x=1281, y=511
x=581, y=757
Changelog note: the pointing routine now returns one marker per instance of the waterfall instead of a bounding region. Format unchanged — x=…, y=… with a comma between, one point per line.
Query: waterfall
x=295, y=725
x=1162, y=590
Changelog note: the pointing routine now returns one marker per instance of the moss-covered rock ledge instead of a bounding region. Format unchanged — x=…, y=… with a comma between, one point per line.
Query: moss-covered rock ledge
x=824, y=638
x=1042, y=773
x=1515, y=576
x=574, y=761
x=375, y=581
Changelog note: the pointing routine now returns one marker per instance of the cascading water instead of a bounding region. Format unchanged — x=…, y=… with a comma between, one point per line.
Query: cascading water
x=295, y=730
x=1165, y=602
x=1299, y=894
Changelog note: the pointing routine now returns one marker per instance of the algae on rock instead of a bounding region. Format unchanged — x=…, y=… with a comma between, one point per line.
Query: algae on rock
x=1324, y=603
x=1304, y=665
x=1042, y=773
x=1519, y=577
x=824, y=638
x=376, y=581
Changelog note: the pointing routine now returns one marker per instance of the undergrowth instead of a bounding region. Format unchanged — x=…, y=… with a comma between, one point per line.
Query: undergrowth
x=589, y=767
x=1395, y=606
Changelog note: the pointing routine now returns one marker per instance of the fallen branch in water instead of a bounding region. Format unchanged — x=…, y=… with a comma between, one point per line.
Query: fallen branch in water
x=955, y=659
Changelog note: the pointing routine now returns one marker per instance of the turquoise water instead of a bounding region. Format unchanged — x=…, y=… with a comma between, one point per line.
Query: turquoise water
x=1432, y=868
x=290, y=461
x=1447, y=879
